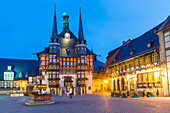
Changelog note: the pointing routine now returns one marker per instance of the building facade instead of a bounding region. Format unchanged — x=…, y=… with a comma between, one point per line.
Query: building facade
x=66, y=63
x=14, y=74
x=138, y=64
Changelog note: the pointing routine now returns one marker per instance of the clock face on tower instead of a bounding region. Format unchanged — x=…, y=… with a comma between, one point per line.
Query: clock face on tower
x=67, y=36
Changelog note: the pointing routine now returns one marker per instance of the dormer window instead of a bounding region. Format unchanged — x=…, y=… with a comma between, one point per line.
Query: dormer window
x=67, y=36
x=149, y=45
x=132, y=52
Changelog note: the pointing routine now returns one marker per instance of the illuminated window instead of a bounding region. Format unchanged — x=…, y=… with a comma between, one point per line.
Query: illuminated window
x=141, y=60
x=127, y=65
x=78, y=75
x=136, y=62
x=154, y=57
x=54, y=60
x=50, y=60
x=64, y=63
x=149, y=45
x=131, y=63
x=123, y=66
x=150, y=76
x=71, y=63
x=147, y=59
x=67, y=63
x=145, y=78
x=140, y=78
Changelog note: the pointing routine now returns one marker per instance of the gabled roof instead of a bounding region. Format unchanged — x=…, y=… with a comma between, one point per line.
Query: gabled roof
x=139, y=45
x=18, y=65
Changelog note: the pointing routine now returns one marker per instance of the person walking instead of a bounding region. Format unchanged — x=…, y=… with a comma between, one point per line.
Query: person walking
x=70, y=92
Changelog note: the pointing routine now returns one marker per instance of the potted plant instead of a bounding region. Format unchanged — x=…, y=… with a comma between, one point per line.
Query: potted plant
x=113, y=93
x=157, y=93
x=117, y=94
x=120, y=93
x=144, y=93
x=136, y=95
x=128, y=94
x=124, y=95
x=150, y=94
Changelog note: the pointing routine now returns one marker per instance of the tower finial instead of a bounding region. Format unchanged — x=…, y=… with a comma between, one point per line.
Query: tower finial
x=65, y=9
x=55, y=2
x=80, y=31
x=54, y=31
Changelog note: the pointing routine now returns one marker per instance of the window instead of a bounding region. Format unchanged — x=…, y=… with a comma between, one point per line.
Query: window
x=142, y=61
x=50, y=60
x=67, y=63
x=150, y=76
x=127, y=65
x=140, y=78
x=78, y=75
x=154, y=57
x=71, y=63
x=30, y=79
x=82, y=76
x=64, y=63
x=82, y=60
x=82, y=48
x=78, y=61
x=54, y=60
x=136, y=62
x=147, y=59
x=145, y=78
x=131, y=63
x=123, y=66
x=58, y=60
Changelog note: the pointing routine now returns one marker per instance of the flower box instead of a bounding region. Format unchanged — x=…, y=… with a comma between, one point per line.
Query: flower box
x=150, y=95
x=136, y=96
x=124, y=96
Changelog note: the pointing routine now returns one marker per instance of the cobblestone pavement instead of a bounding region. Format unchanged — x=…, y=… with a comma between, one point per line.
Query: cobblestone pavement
x=87, y=104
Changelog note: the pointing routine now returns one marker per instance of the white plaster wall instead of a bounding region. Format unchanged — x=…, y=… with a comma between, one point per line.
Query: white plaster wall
x=167, y=38
x=89, y=83
x=168, y=58
x=168, y=53
x=167, y=44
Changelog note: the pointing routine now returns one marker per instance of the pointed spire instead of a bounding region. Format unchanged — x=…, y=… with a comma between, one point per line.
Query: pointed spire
x=54, y=31
x=80, y=32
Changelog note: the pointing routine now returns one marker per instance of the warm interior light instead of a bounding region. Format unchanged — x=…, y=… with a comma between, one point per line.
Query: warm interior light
x=106, y=81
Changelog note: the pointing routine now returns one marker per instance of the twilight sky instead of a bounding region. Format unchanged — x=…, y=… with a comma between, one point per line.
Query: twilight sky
x=26, y=25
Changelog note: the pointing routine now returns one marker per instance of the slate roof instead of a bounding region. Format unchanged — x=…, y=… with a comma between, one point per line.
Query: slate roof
x=18, y=65
x=98, y=65
x=139, y=45
x=35, y=71
x=71, y=43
